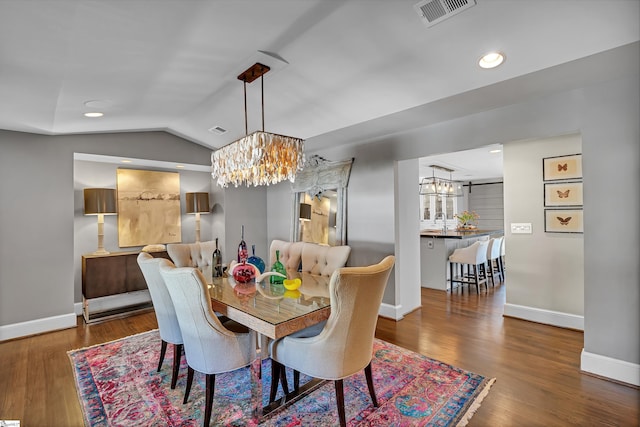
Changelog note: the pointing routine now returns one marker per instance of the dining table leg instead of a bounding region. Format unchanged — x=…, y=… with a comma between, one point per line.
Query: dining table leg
x=256, y=382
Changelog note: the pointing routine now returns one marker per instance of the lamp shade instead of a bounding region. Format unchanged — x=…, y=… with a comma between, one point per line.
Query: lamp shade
x=197, y=202
x=305, y=211
x=100, y=201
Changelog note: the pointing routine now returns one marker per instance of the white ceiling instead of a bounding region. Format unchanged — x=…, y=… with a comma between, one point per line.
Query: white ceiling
x=470, y=165
x=172, y=64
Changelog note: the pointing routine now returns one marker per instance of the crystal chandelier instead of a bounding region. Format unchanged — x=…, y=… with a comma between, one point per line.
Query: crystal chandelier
x=259, y=158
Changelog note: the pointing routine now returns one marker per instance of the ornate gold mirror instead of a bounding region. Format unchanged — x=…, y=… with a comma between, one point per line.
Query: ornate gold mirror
x=319, y=202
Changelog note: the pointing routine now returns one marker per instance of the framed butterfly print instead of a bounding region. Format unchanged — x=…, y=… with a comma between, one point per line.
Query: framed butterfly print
x=562, y=167
x=563, y=221
x=568, y=193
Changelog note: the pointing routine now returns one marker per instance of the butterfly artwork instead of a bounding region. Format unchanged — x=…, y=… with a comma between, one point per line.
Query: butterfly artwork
x=567, y=193
x=562, y=167
x=564, y=221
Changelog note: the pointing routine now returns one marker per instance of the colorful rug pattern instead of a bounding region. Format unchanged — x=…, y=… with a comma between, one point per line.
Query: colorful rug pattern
x=118, y=385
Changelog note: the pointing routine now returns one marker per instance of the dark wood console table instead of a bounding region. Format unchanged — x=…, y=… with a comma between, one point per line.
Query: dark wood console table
x=110, y=275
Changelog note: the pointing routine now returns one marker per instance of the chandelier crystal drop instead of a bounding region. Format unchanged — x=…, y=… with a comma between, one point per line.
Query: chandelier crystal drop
x=259, y=158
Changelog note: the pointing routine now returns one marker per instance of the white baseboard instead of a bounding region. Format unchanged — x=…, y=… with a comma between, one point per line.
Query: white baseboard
x=37, y=326
x=77, y=308
x=608, y=367
x=548, y=317
x=390, y=311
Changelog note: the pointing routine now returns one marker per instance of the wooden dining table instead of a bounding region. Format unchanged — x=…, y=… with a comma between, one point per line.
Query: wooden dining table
x=271, y=311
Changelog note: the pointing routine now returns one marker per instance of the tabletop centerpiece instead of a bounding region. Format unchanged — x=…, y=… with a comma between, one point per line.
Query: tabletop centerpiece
x=467, y=220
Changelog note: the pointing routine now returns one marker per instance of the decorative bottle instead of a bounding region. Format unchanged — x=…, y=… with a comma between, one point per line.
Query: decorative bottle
x=243, y=254
x=257, y=261
x=216, y=264
x=277, y=267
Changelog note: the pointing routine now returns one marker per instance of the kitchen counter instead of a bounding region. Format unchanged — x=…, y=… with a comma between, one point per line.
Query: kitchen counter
x=435, y=249
x=455, y=234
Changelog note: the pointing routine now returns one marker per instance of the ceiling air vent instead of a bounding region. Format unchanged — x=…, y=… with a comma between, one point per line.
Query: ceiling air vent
x=217, y=129
x=435, y=11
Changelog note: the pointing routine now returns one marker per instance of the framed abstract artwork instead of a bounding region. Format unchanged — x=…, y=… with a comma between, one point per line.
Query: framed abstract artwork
x=563, y=221
x=562, y=167
x=566, y=193
x=148, y=207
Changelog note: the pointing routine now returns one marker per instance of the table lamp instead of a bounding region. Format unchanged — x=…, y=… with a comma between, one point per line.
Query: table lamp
x=101, y=202
x=197, y=203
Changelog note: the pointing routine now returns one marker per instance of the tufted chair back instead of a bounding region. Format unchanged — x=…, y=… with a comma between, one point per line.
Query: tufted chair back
x=197, y=254
x=290, y=254
x=323, y=260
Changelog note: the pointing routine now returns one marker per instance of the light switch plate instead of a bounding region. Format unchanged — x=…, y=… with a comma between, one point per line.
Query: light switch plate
x=521, y=228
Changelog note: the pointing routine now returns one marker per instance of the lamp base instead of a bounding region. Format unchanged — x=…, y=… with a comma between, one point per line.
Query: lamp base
x=101, y=252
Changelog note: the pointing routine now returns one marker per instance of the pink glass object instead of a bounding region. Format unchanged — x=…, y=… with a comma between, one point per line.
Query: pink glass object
x=244, y=273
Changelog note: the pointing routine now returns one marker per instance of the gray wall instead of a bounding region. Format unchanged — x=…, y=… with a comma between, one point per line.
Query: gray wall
x=545, y=270
x=37, y=254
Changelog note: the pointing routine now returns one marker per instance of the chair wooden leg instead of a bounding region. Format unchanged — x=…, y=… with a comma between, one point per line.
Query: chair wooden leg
x=372, y=391
x=163, y=350
x=296, y=380
x=211, y=386
x=283, y=380
x=187, y=389
x=278, y=373
x=340, y=401
x=177, y=357
x=491, y=274
x=275, y=376
x=477, y=277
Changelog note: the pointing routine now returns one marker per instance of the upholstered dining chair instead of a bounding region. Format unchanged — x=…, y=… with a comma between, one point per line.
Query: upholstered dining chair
x=210, y=348
x=199, y=254
x=344, y=346
x=323, y=260
x=165, y=312
x=290, y=253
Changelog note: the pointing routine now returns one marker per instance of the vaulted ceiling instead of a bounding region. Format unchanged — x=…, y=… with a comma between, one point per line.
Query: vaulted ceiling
x=173, y=64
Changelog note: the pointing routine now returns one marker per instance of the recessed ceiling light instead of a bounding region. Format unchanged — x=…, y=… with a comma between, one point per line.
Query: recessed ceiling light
x=94, y=114
x=495, y=151
x=126, y=161
x=491, y=60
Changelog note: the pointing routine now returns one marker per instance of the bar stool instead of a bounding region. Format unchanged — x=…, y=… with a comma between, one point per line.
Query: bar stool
x=474, y=256
x=494, y=259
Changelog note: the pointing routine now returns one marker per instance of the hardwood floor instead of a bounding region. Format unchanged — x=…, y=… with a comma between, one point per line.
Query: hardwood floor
x=537, y=367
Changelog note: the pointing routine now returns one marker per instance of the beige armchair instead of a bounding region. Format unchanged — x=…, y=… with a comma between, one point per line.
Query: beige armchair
x=344, y=346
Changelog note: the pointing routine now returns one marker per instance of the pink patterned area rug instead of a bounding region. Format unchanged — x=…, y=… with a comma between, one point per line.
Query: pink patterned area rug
x=118, y=385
